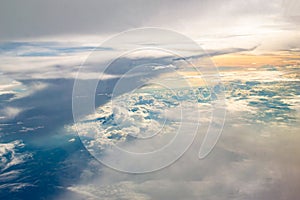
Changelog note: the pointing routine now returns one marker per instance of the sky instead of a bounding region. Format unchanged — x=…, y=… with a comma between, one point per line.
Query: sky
x=237, y=23
x=44, y=36
x=254, y=45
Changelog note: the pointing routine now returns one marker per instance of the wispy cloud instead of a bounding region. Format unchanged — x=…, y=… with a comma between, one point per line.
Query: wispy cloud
x=10, y=112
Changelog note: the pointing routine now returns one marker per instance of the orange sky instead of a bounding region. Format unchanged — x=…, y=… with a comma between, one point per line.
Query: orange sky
x=247, y=60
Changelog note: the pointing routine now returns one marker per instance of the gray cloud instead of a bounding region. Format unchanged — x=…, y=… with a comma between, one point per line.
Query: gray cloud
x=219, y=52
x=33, y=18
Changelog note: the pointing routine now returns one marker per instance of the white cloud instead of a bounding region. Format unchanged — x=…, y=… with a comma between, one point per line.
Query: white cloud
x=29, y=90
x=236, y=169
x=253, y=159
x=8, y=155
x=10, y=112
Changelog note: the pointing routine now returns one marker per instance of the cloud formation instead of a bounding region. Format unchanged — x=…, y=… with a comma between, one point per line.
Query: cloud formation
x=255, y=158
x=201, y=20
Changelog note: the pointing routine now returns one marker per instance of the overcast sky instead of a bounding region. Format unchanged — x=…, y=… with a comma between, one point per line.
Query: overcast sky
x=204, y=20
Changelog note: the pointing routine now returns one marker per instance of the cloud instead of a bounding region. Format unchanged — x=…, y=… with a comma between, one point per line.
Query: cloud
x=10, y=112
x=9, y=86
x=67, y=60
x=254, y=159
x=236, y=169
x=197, y=19
x=11, y=158
x=18, y=89
x=212, y=53
x=30, y=89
